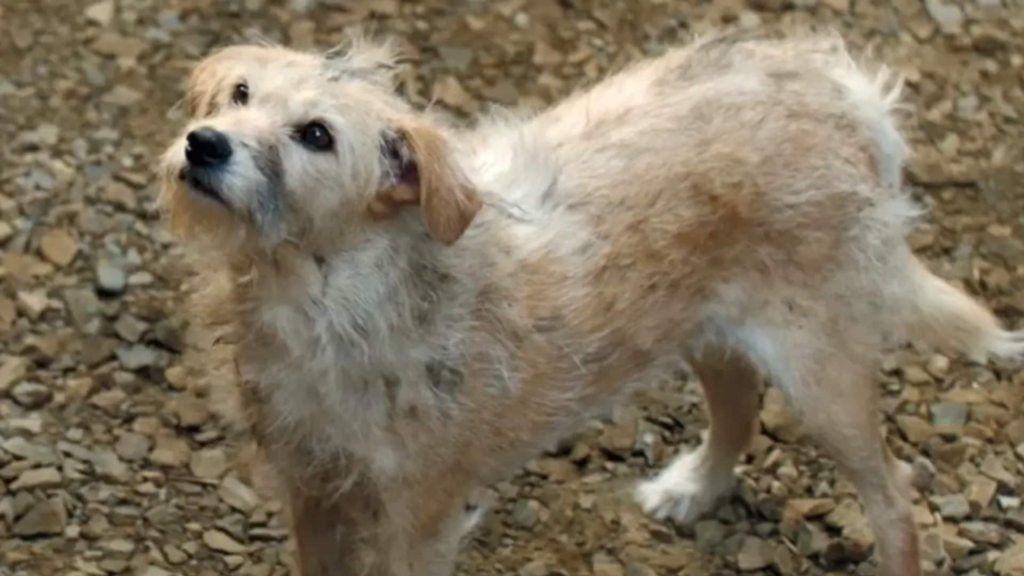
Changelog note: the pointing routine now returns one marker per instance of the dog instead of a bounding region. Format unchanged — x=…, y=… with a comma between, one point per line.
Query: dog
x=415, y=308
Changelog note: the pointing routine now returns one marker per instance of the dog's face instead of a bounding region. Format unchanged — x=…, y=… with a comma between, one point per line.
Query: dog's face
x=284, y=145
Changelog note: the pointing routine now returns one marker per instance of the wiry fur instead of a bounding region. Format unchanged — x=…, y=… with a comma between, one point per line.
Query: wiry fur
x=400, y=340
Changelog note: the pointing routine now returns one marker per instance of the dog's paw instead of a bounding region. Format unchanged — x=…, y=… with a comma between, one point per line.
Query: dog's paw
x=683, y=492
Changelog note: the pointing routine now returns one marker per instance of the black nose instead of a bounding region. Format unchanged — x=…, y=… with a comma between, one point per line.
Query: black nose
x=207, y=147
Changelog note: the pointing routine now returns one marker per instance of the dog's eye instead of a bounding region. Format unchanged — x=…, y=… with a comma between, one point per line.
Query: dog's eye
x=315, y=136
x=241, y=94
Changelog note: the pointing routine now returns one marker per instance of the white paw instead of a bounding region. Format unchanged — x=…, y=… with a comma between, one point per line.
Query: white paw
x=683, y=492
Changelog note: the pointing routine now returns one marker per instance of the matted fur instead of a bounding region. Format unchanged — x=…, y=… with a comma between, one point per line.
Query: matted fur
x=413, y=314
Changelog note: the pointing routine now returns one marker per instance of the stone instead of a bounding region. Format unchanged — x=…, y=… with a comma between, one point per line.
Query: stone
x=915, y=429
x=109, y=467
x=952, y=507
x=1011, y=562
x=603, y=564
x=132, y=446
x=221, y=542
x=449, y=91
x=192, y=412
x=111, y=279
x=800, y=508
x=12, y=370
x=130, y=328
x=118, y=46
x=31, y=395
x=980, y=493
x=526, y=513
x=949, y=414
x=170, y=451
x=137, y=357
x=755, y=554
x=993, y=467
x=946, y=14
x=46, y=518
x=209, y=463
x=238, y=495
x=100, y=13
x=778, y=419
x=58, y=247
x=123, y=96
x=37, y=478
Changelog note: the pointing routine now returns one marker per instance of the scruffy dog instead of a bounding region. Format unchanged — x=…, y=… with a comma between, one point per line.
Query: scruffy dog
x=417, y=309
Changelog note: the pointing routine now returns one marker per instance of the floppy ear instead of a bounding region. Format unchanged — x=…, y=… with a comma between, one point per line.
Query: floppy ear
x=425, y=174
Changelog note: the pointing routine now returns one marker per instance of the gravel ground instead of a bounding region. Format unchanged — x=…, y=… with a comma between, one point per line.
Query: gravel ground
x=111, y=462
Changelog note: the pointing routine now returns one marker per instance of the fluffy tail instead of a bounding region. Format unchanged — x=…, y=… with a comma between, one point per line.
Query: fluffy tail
x=947, y=317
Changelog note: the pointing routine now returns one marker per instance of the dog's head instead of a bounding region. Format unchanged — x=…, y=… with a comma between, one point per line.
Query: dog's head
x=285, y=145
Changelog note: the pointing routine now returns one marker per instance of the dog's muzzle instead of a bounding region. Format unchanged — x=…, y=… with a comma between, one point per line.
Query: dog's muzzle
x=207, y=151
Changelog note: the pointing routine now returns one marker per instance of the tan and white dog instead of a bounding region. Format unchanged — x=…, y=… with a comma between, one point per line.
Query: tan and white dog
x=417, y=309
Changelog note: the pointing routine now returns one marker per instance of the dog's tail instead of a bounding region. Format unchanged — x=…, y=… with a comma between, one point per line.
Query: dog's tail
x=945, y=316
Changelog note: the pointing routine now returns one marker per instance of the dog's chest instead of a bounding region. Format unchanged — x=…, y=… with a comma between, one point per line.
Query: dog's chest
x=334, y=398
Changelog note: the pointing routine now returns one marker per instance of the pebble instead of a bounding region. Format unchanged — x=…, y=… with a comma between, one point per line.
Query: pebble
x=137, y=357
x=118, y=46
x=221, y=542
x=756, y=554
x=100, y=13
x=210, y=463
x=170, y=451
x=46, y=518
x=132, y=447
x=952, y=507
x=111, y=279
x=12, y=370
x=31, y=395
x=37, y=478
x=778, y=419
x=949, y=414
x=238, y=495
x=526, y=513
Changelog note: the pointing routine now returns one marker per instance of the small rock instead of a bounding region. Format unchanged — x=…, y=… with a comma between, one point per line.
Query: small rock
x=192, y=412
x=917, y=430
x=456, y=58
x=115, y=45
x=238, y=495
x=110, y=468
x=137, y=357
x=526, y=513
x=949, y=414
x=31, y=395
x=938, y=366
x=983, y=532
x=1011, y=562
x=450, y=91
x=58, y=247
x=33, y=303
x=130, y=328
x=952, y=507
x=170, y=451
x=110, y=278
x=211, y=463
x=980, y=492
x=993, y=467
x=40, y=478
x=799, y=508
x=221, y=542
x=755, y=554
x=945, y=14
x=12, y=370
x=122, y=95
x=778, y=419
x=132, y=446
x=100, y=13
x=110, y=401
x=46, y=518
x=603, y=564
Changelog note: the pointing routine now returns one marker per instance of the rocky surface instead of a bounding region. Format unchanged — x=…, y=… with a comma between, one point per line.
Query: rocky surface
x=111, y=463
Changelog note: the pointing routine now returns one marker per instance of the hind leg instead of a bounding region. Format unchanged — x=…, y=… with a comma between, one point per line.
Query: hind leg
x=835, y=393
x=694, y=482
